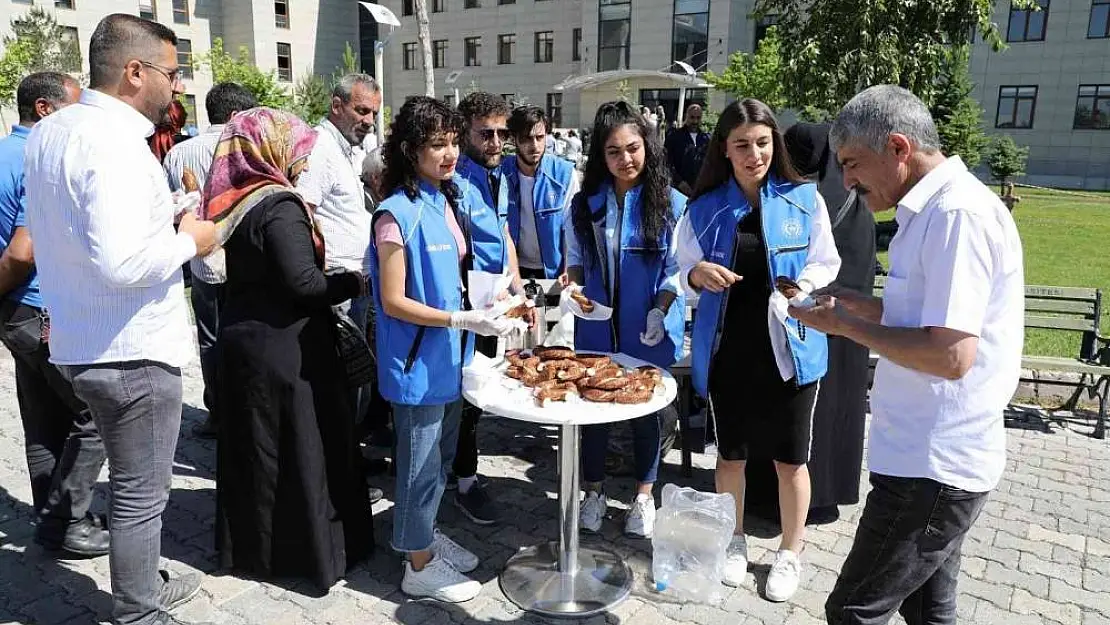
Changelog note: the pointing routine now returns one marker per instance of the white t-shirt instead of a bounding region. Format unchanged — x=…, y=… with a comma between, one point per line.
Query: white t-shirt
x=955, y=263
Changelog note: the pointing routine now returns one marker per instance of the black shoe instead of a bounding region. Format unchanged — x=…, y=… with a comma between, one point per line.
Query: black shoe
x=208, y=429
x=178, y=591
x=164, y=618
x=477, y=505
x=84, y=538
x=453, y=481
x=376, y=494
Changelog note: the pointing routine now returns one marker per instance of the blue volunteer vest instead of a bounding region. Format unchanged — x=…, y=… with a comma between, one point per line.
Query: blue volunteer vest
x=421, y=365
x=482, y=217
x=639, y=270
x=787, y=218
x=549, y=195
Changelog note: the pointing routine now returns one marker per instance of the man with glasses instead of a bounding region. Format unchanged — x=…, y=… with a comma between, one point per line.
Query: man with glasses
x=484, y=218
x=102, y=218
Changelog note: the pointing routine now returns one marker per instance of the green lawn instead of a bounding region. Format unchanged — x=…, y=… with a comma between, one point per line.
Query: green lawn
x=1067, y=243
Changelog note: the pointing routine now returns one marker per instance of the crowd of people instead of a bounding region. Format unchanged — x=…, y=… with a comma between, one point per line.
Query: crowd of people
x=289, y=228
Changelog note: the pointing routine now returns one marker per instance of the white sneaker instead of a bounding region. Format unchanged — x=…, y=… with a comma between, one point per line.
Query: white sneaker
x=782, y=581
x=456, y=555
x=640, y=522
x=440, y=581
x=592, y=512
x=736, y=561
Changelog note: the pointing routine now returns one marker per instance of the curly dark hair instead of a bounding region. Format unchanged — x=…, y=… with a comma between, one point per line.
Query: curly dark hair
x=418, y=122
x=716, y=169
x=655, y=198
x=482, y=104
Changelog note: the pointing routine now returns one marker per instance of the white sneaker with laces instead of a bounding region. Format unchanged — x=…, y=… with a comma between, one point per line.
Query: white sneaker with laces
x=456, y=555
x=440, y=581
x=640, y=522
x=736, y=561
x=786, y=572
x=592, y=512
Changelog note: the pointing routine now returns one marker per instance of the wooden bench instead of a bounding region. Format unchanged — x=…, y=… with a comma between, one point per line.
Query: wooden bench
x=1075, y=311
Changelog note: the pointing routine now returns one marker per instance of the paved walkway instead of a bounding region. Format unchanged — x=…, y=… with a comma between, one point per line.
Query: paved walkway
x=1039, y=554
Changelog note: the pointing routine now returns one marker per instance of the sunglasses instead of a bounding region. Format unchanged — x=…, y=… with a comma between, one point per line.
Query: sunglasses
x=488, y=134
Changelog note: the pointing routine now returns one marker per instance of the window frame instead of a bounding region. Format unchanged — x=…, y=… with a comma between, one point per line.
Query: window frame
x=1101, y=94
x=576, y=43
x=185, y=70
x=183, y=14
x=439, y=6
x=674, y=33
x=152, y=5
x=472, y=4
x=554, y=109
x=69, y=5
x=1025, y=14
x=408, y=8
x=549, y=47
x=476, y=59
x=189, y=101
x=502, y=41
x=437, y=62
x=279, y=18
x=288, y=72
x=626, y=60
x=1017, y=98
x=408, y=53
x=1106, y=22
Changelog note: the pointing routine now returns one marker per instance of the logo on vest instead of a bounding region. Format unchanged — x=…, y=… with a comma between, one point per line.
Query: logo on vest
x=441, y=247
x=792, y=228
x=550, y=198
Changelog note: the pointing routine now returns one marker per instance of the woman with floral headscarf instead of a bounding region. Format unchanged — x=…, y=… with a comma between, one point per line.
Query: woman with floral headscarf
x=291, y=496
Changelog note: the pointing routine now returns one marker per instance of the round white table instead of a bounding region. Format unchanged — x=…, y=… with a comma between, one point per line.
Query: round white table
x=561, y=579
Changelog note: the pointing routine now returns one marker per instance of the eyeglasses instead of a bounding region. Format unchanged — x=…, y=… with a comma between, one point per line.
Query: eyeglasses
x=488, y=134
x=174, y=76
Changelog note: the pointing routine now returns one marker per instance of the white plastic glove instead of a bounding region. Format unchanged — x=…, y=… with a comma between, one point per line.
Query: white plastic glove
x=183, y=202
x=478, y=322
x=653, y=333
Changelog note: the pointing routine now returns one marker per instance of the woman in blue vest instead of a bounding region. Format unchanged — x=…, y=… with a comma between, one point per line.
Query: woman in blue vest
x=754, y=219
x=620, y=252
x=422, y=336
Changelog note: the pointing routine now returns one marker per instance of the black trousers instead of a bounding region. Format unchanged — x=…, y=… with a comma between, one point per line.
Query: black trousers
x=63, y=447
x=207, y=299
x=466, y=451
x=906, y=554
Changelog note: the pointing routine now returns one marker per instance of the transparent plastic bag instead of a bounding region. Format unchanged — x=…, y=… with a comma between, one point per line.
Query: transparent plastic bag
x=692, y=532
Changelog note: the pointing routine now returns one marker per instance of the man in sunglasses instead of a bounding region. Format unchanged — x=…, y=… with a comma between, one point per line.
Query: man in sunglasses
x=484, y=218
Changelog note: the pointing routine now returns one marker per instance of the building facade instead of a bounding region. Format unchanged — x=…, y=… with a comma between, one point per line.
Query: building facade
x=290, y=37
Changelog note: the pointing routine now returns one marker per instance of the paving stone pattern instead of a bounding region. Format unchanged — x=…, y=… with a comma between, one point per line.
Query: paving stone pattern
x=1040, y=552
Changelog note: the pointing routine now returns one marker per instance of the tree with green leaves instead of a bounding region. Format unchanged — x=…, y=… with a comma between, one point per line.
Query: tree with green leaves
x=312, y=98
x=958, y=115
x=756, y=75
x=1006, y=159
x=225, y=67
x=839, y=47
x=37, y=44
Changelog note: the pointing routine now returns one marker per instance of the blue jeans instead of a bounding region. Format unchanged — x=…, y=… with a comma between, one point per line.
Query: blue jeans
x=645, y=448
x=906, y=554
x=137, y=408
x=426, y=439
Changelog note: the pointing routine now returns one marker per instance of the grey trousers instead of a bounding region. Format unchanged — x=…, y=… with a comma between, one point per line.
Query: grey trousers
x=137, y=408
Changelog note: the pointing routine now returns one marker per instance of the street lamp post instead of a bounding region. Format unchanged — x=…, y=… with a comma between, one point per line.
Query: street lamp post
x=384, y=17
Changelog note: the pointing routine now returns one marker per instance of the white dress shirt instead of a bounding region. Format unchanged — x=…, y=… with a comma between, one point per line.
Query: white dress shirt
x=331, y=182
x=109, y=261
x=821, y=268
x=955, y=263
x=528, y=252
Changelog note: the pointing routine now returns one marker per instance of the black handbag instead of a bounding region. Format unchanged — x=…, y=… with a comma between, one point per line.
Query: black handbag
x=354, y=352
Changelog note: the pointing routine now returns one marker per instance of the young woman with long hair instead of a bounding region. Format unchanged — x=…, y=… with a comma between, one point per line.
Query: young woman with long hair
x=620, y=251
x=422, y=336
x=753, y=219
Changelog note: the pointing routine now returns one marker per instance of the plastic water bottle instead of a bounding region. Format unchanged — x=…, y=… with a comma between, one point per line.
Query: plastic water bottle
x=692, y=531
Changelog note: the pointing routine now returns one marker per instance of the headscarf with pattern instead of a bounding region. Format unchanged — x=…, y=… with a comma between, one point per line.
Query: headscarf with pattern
x=261, y=152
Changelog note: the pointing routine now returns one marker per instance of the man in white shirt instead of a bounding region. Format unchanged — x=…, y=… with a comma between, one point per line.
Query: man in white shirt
x=223, y=100
x=109, y=262
x=949, y=330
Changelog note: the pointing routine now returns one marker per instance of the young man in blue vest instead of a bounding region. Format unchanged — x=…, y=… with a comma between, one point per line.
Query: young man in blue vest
x=484, y=221
x=541, y=187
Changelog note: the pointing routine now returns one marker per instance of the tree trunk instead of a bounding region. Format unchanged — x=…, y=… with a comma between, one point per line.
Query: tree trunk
x=425, y=47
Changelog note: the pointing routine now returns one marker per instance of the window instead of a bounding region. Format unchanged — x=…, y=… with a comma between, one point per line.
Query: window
x=472, y=55
x=545, y=46
x=449, y=100
x=63, y=4
x=23, y=1
x=472, y=4
x=281, y=13
x=576, y=45
x=761, y=27
x=690, y=32
x=439, y=6
x=406, y=7
x=1099, y=26
x=180, y=11
x=408, y=56
x=1016, y=106
x=614, y=34
x=147, y=10
x=439, y=53
x=506, y=49
x=1092, y=107
x=285, y=62
x=1027, y=24
x=555, y=108
x=189, y=101
x=506, y=1
x=71, y=41
x=510, y=98
x=185, y=58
